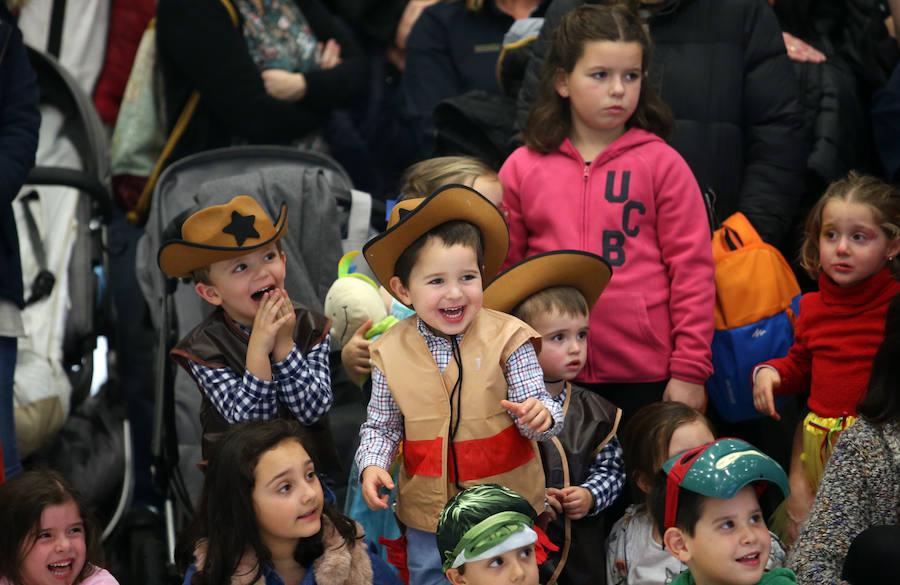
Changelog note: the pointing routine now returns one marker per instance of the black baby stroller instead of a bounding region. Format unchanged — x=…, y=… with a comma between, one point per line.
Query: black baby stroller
x=315, y=189
x=62, y=216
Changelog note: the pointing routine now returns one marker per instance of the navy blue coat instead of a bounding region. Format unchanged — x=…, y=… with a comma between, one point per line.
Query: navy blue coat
x=20, y=120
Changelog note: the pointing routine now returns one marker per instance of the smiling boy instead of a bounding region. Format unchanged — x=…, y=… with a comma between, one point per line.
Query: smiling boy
x=258, y=355
x=460, y=385
x=705, y=502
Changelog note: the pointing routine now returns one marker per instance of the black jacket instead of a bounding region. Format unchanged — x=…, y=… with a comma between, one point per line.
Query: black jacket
x=450, y=51
x=20, y=120
x=199, y=48
x=722, y=67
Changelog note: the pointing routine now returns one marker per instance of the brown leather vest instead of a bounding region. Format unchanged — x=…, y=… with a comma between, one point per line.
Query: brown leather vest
x=489, y=447
x=591, y=421
x=218, y=342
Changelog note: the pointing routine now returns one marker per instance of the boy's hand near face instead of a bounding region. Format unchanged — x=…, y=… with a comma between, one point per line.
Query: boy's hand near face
x=531, y=412
x=268, y=321
x=373, y=479
x=575, y=500
x=284, y=339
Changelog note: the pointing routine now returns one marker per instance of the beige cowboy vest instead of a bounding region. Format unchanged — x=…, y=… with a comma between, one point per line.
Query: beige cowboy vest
x=489, y=447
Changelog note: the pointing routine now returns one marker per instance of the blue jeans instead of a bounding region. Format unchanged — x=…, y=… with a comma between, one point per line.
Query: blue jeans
x=423, y=558
x=11, y=464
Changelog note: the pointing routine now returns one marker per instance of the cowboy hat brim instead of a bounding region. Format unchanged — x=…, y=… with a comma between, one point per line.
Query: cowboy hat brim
x=178, y=258
x=584, y=271
x=449, y=203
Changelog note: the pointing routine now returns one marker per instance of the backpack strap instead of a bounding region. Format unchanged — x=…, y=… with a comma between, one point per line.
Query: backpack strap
x=138, y=215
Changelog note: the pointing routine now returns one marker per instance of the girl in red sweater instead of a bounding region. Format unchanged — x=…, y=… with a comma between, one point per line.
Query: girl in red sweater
x=852, y=239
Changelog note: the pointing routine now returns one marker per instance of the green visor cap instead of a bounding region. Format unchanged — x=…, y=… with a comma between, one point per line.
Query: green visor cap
x=719, y=470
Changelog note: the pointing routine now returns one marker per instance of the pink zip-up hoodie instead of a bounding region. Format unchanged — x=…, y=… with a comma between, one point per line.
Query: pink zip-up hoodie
x=637, y=205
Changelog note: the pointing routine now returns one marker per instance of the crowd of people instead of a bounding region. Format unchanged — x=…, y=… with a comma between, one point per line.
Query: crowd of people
x=536, y=408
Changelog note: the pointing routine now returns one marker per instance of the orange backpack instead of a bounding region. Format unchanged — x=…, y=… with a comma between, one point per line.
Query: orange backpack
x=757, y=300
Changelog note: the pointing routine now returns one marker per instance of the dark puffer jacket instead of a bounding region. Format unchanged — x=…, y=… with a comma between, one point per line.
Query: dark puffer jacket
x=722, y=67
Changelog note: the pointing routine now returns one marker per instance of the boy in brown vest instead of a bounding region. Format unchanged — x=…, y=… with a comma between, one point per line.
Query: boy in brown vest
x=460, y=386
x=554, y=292
x=258, y=355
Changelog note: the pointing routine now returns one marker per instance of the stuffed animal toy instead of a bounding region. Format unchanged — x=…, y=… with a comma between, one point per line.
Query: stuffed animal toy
x=352, y=300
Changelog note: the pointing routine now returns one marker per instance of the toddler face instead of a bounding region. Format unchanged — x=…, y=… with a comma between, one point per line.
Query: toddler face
x=59, y=552
x=444, y=287
x=238, y=284
x=563, y=344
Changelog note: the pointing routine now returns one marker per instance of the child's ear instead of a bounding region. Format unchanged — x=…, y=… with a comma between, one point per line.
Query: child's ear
x=208, y=293
x=561, y=83
x=893, y=249
x=456, y=577
x=676, y=542
x=641, y=481
x=283, y=257
x=399, y=290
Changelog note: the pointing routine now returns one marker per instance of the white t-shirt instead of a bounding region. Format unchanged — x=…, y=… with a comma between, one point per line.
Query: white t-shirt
x=634, y=558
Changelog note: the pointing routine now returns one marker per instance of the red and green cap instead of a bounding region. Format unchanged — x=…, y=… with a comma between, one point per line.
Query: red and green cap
x=719, y=470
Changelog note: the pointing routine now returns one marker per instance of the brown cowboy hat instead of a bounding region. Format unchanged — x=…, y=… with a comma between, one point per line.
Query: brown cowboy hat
x=412, y=218
x=218, y=233
x=584, y=271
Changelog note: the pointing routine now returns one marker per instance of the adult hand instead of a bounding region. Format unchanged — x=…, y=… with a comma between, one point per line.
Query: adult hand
x=355, y=354
x=694, y=395
x=328, y=55
x=766, y=381
x=284, y=85
x=800, y=51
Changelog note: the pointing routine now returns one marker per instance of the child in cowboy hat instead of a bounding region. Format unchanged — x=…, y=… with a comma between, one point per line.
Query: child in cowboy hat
x=258, y=355
x=705, y=503
x=486, y=535
x=460, y=385
x=554, y=292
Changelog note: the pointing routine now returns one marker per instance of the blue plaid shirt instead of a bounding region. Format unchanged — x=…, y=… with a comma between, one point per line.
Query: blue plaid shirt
x=606, y=476
x=381, y=433
x=301, y=383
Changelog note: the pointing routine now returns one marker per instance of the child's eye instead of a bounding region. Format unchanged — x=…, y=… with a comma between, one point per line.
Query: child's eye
x=44, y=534
x=311, y=475
x=496, y=562
x=240, y=268
x=756, y=519
x=436, y=281
x=468, y=277
x=558, y=337
x=526, y=552
x=859, y=237
x=829, y=235
x=582, y=334
x=727, y=525
x=75, y=530
x=284, y=488
x=599, y=75
x=633, y=76
x=270, y=256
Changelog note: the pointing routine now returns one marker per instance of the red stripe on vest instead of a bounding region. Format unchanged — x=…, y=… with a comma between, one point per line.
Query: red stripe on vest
x=476, y=458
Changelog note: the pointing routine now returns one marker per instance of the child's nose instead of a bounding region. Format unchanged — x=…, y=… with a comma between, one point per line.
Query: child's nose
x=62, y=543
x=517, y=571
x=616, y=87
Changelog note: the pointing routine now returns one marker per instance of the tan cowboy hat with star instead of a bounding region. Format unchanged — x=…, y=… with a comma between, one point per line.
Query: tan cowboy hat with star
x=584, y=271
x=219, y=233
x=412, y=218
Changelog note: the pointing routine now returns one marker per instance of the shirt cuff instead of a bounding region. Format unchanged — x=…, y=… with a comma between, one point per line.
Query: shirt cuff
x=288, y=366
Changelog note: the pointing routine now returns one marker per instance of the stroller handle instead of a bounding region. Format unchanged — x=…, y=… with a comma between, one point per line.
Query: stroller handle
x=61, y=176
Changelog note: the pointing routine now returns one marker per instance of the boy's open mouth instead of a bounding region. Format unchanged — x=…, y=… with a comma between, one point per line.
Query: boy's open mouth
x=259, y=294
x=453, y=314
x=751, y=559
